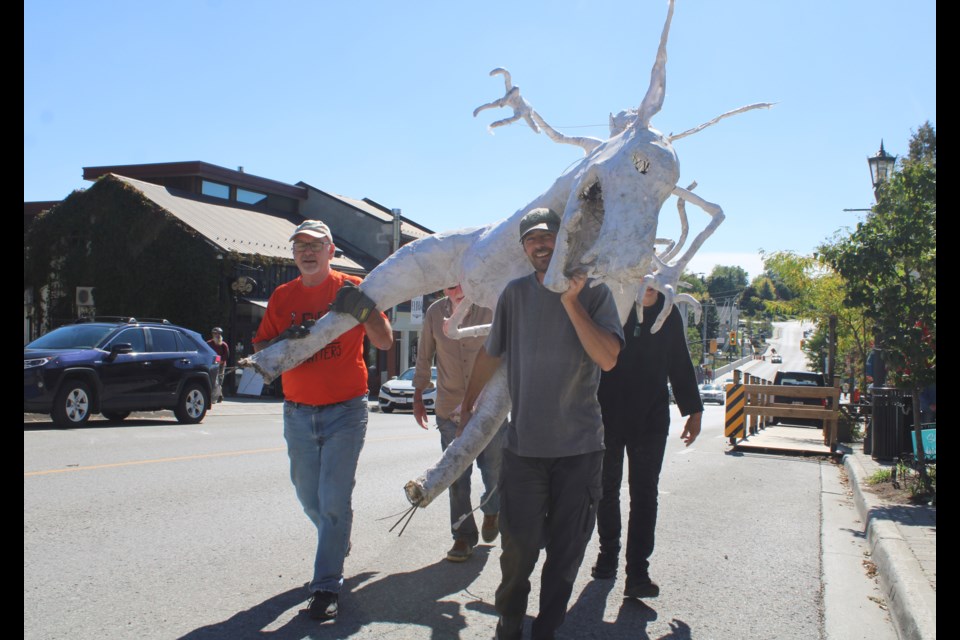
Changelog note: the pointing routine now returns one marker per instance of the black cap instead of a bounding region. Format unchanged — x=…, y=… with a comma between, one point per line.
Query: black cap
x=539, y=218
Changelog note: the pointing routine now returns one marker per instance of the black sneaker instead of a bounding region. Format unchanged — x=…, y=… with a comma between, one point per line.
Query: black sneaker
x=642, y=587
x=606, y=566
x=323, y=605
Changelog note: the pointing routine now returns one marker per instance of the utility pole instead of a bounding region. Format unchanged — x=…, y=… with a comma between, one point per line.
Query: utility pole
x=706, y=316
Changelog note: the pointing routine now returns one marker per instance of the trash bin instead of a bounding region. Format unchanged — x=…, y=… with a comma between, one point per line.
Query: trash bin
x=892, y=422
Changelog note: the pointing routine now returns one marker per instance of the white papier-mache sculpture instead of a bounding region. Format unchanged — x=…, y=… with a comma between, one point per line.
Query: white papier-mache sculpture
x=609, y=202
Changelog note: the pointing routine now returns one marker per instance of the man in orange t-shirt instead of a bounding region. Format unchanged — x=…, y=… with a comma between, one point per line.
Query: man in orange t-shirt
x=325, y=408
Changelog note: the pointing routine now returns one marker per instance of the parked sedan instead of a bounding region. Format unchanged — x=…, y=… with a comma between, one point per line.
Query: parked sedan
x=117, y=367
x=397, y=393
x=712, y=393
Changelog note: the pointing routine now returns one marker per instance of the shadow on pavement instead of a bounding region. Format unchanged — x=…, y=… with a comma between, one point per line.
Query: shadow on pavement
x=904, y=514
x=585, y=618
x=94, y=424
x=249, y=623
x=412, y=598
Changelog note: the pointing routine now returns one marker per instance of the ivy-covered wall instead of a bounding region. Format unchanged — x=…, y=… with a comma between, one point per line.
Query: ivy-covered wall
x=142, y=260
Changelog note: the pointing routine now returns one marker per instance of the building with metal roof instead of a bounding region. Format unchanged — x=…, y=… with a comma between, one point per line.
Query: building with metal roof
x=196, y=243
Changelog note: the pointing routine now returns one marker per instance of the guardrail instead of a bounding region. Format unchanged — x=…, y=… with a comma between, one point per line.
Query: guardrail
x=751, y=403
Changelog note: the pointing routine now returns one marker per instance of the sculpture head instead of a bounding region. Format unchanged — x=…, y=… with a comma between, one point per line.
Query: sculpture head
x=610, y=216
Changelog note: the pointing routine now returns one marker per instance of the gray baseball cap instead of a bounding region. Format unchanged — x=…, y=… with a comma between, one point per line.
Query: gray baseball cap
x=539, y=218
x=314, y=228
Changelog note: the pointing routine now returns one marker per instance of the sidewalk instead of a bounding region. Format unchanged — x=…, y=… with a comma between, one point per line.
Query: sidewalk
x=903, y=544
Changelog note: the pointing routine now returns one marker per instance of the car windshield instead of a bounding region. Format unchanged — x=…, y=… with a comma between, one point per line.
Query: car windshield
x=408, y=374
x=73, y=337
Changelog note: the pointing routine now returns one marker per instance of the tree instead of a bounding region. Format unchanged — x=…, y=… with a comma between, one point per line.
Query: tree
x=693, y=284
x=889, y=264
x=923, y=145
x=726, y=282
x=819, y=293
x=759, y=291
x=143, y=261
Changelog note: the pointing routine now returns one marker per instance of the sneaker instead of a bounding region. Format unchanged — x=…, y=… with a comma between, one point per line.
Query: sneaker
x=606, y=566
x=642, y=587
x=323, y=605
x=491, y=527
x=460, y=551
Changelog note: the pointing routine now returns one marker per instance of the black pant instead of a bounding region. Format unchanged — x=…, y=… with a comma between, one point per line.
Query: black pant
x=645, y=455
x=545, y=503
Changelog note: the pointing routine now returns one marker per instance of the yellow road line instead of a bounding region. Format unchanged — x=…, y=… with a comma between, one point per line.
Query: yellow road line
x=131, y=463
x=203, y=456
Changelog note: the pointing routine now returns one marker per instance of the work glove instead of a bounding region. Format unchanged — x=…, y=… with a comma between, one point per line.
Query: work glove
x=350, y=299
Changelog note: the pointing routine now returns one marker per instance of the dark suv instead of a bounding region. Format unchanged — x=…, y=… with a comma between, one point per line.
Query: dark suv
x=118, y=366
x=800, y=379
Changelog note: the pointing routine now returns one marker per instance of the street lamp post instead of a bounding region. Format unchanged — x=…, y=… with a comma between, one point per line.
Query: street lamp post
x=881, y=167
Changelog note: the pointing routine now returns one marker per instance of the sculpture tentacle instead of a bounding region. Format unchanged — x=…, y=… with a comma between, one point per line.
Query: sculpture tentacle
x=492, y=409
x=710, y=123
x=674, y=249
x=653, y=100
x=425, y=265
x=522, y=109
x=452, y=328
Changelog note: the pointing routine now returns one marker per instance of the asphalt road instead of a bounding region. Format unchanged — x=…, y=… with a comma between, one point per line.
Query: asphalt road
x=151, y=529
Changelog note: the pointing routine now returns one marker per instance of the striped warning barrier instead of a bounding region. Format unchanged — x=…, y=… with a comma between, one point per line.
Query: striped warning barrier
x=734, y=426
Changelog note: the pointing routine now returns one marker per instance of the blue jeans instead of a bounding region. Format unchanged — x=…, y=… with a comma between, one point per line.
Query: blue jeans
x=324, y=445
x=489, y=462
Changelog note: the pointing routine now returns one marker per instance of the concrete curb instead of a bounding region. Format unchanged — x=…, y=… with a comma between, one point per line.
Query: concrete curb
x=911, y=599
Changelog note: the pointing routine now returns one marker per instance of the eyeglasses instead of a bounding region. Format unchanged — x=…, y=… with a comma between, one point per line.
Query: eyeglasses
x=314, y=247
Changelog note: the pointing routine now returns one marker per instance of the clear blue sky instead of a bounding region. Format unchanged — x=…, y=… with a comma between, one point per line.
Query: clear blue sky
x=375, y=99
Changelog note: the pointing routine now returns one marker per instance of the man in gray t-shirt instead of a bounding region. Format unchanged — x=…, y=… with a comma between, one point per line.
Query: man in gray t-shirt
x=550, y=483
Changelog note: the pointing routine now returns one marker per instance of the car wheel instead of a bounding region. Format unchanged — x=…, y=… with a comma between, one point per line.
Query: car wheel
x=386, y=408
x=71, y=408
x=192, y=405
x=115, y=416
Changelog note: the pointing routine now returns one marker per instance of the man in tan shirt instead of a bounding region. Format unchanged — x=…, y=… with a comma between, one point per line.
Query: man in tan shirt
x=454, y=364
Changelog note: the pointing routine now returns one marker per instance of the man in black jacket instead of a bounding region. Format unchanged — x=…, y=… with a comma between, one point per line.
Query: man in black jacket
x=636, y=418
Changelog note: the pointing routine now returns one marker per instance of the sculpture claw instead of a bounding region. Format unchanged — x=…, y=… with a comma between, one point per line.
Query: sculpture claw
x=669, y=295
x=693, y=302
x=666, y=281
x=513, y=99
